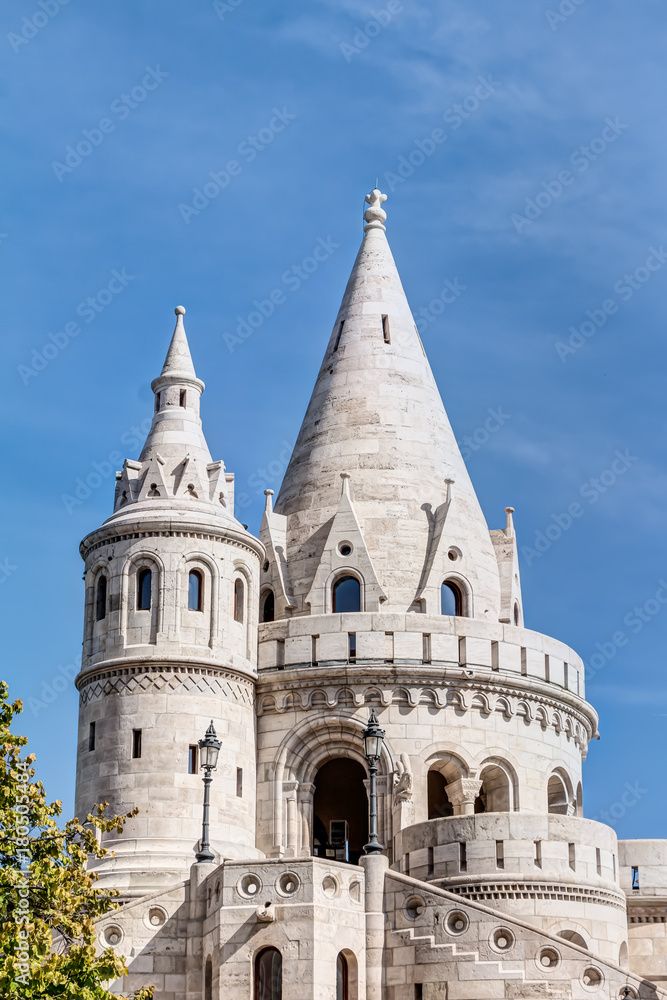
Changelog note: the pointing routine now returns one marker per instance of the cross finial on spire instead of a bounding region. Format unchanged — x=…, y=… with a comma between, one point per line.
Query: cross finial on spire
x=375, y=215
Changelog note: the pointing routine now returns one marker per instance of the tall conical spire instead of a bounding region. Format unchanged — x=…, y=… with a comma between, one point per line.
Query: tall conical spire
x=376, y=412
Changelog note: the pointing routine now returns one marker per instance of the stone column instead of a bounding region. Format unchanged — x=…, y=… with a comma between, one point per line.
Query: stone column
x=462, y=795
x=289, y=792
x=305, y=795
x=375, y=866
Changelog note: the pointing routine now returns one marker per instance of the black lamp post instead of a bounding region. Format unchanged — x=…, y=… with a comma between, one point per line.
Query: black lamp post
x=209, y=748
x=373, y=737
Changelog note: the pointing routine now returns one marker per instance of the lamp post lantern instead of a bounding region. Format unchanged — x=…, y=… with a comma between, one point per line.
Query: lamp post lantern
x=373, y=737
x=209, y=748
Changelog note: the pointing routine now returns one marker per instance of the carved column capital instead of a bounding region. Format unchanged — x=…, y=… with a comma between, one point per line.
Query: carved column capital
x=462, y=795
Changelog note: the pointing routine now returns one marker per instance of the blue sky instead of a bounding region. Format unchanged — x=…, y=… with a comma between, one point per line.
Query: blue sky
x=523, y=151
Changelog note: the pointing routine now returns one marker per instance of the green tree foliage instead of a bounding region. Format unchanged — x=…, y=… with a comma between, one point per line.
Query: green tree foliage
x=48, y=900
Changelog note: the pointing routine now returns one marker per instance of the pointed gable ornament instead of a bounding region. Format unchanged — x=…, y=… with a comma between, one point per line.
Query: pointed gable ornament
x=345, y=553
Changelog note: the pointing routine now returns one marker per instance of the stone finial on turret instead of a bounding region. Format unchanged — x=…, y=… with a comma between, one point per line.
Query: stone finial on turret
x=509, y=527
x=375, y=216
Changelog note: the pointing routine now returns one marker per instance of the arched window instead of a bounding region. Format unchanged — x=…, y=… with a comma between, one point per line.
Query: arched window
x=239, y=597
x=269, y=975
x=342, y=978
x=208, y=979
x=195, y=590
x=101, y=598
x=144, y=586
x=451, y=599
x=557, y=796
x=346, y=595
x=269, y=607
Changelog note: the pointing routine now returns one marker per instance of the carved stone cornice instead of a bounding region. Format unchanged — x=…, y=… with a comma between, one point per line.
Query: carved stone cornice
x=485, y=691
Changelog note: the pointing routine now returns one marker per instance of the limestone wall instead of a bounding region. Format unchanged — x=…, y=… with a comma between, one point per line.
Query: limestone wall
x=647, y=905
x=559, y=872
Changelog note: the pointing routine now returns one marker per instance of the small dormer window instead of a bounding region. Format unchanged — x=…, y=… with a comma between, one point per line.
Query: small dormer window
x=346, y=595
x=269, y=607
x=451, y=599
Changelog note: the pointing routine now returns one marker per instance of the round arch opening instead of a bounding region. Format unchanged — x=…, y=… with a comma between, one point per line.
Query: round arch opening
x=340, y=810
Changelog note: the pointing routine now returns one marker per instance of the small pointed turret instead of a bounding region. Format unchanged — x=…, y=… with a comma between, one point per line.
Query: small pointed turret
x=175, y=465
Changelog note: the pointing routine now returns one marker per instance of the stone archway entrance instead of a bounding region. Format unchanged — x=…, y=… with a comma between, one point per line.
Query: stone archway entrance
x=340, y=795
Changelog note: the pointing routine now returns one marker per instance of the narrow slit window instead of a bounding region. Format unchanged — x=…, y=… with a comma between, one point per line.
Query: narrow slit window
x=280, y=654
x=572, y=856
x=183, y=397
x=157, y=401
x=195, y=589
x=426, y=647
x=313, y=650
x=339, y=334
x=385, y=330
x=144, y=586
x=91, y=736
x=598, y=861
x=463, y=856
x=419, y=991
x=389, y=647
x=429, y=860
x=500, y=854
x=239, y=782
x=193, y=754
x=239, y=597
x=635, y=877
x=101, y=598
x=538, y=853
x=136, y=743
x=352, y=645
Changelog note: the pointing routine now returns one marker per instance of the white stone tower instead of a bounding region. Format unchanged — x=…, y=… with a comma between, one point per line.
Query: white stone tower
x=169, y=644
x=389, y=591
